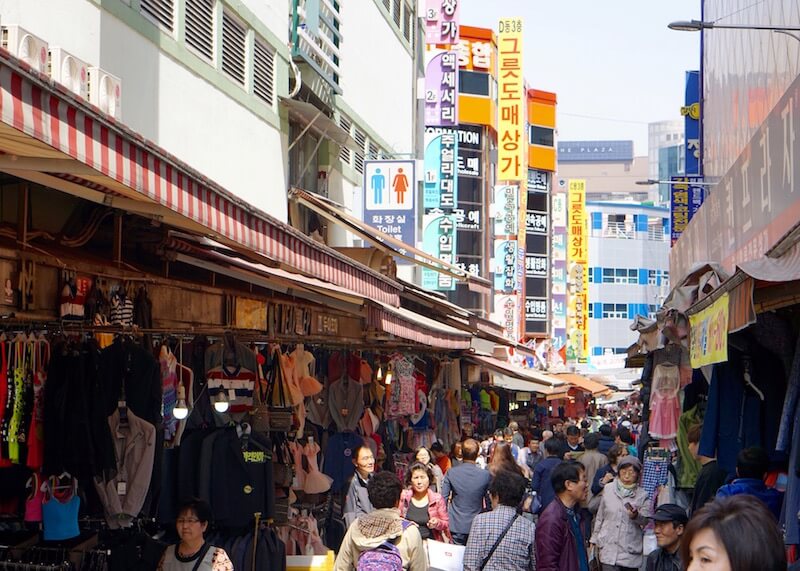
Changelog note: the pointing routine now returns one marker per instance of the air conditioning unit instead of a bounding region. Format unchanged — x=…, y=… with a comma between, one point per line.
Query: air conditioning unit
x=69, y=71
x=105, y=91
x=24, y=45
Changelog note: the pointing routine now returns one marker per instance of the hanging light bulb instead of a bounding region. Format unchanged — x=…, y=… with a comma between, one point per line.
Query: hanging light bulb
x=389, y=376
x=221, y=402
x=379, y=374
x=181, y=411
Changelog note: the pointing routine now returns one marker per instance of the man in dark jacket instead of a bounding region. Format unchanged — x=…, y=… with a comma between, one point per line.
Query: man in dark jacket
x=560, y=545
x=540, y=483
x=670, y=521
x=606, y=439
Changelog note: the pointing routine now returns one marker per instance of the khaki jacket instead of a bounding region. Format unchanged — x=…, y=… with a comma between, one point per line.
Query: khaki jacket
x=617, y=536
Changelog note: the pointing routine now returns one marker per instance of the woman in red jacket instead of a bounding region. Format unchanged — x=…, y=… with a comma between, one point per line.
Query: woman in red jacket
x=423, y=506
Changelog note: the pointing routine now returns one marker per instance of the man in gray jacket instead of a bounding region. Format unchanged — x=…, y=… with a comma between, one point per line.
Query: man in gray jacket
x=464, y=487
x=357, y=501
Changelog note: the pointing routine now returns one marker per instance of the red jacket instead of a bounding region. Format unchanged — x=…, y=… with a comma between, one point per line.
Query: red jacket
x=436, y=508
x=556, y=549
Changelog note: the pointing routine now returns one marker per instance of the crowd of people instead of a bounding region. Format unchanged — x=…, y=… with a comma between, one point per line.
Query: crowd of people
x=568, y=498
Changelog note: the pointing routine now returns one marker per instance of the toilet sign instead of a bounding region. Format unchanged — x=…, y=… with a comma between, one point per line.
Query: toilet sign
x=389, y=198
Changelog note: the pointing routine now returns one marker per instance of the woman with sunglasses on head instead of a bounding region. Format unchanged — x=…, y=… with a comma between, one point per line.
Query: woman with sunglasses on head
x=194, y=553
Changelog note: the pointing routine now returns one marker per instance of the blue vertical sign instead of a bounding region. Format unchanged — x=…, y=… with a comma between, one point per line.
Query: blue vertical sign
x=686, y=198
x=691, y=124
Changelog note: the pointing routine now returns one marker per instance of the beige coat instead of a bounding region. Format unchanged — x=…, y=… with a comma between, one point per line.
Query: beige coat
x=368, y=531
x=617, y=536
x=592, y=460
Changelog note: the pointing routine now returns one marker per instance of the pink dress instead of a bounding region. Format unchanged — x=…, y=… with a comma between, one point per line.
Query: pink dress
x=315, y=481
x=665, y=408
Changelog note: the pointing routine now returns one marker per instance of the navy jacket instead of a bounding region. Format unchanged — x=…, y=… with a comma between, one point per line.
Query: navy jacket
x=465, y=486
x=756, y=488
x=541, y=483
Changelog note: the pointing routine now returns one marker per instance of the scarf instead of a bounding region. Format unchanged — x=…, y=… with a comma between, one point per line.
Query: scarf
x=625, y=491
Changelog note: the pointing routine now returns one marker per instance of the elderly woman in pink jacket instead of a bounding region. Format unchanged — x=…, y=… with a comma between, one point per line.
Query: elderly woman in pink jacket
x=423, y=506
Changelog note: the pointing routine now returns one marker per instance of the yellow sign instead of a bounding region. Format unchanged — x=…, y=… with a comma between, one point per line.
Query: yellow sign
x=511, y=137
x=578, y=273
x=709, y=334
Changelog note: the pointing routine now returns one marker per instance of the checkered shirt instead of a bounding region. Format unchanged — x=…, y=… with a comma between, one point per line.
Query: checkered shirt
x=515, y=553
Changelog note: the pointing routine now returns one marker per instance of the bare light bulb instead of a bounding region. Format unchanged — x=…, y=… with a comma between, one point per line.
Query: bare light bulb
x=181, y=411
x=221, y=403
x=389, y=377
x=379, y=375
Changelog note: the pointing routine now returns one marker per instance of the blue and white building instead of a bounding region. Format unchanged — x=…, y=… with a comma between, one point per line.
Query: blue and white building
x=628, y=274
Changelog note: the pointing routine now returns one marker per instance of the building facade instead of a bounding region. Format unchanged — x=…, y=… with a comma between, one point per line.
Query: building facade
x=628, y=273
x=609, y=168
x=665, y=155
x=214, y=82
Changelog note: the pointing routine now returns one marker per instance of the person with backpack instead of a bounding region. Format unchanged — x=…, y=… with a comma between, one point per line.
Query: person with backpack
x=382, y=540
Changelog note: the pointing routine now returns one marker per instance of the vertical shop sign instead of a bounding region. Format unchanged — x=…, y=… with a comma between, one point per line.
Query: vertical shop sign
x=441, y=88
x=686, y=198
x=439, y=202
x=559, y=267
x=389, y=198
x=505, y=266
x=505, y=311
x=691, y=123
x=507, y=210
x=441, y=22
x=511, y=143
x=578, y=275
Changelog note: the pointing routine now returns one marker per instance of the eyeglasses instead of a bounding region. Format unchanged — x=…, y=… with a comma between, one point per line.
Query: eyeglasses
x=189, y=520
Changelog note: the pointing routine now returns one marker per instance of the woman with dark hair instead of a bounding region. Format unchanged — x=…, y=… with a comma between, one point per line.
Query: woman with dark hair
x=503, y=459
x=423, y=506
x=193, y=553
x=733, y=534
x=608, y=472
x=424, y=455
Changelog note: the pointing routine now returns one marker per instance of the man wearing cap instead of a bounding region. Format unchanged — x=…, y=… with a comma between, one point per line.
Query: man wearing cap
x=670, y=521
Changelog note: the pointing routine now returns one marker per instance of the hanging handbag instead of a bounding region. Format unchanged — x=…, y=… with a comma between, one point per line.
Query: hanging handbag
x=280, y=412
x=259, y=415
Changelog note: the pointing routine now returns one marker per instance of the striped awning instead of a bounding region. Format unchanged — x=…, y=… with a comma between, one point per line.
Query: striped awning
x=584, y=384
x=40, y=120
x=412, y=326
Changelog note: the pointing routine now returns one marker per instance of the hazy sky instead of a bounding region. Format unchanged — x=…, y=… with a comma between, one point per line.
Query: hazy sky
x=613, y=64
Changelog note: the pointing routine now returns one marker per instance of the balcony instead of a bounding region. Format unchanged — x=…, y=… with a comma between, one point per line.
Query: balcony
x=316, y=38
x=623, y=230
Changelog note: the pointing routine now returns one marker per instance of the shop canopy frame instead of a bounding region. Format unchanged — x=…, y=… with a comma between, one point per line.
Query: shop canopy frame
x=584, y=383
x=51, y=137
x=387, y=243
x=513, y=377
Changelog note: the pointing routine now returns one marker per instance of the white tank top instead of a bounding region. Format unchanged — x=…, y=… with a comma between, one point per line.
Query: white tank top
x=171, y=562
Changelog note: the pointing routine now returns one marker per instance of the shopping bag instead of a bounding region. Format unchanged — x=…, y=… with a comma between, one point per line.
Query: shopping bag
x=445, y=556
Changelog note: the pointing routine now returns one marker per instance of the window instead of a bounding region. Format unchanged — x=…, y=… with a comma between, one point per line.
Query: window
x=396, y=12
x=608, y=275
x=651, y=277
x=344, y=154
x=615, y=311
x=542, y=136
x=233, y=48
x=473, y=83
x=651, y=311
x=626, y=276
x=263, y=72
x=665, y=279
x=162, y=12
x=200, y=27
x=361, y=139
x=407, y=21
x=591, y=305
x=388, y=5
x=373, y=152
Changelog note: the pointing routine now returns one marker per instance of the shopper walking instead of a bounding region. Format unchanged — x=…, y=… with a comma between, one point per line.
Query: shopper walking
x=560, y=544
x=607, y=473
x=711, y=476
x=541, y=482
x=503, y=460
x=382, y=539
x=464, y=488
x=751, y=468
x=424, y=455
x=670, y=523
x=733, y=534
x=591, y=459
x=501, y=540
x=420, y=504
x=357, y=500
x=532, y=454
x=624, y=508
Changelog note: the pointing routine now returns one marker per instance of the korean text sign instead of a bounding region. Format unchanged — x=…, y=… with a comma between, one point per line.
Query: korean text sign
x=578, y=271
x=512, y=145
x=441, y=88
x=686, y=198
x=708, y=339
x=389, y=191
x=441, y=22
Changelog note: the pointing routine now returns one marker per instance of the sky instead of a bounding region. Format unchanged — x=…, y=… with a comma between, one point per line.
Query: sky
x=614, y=65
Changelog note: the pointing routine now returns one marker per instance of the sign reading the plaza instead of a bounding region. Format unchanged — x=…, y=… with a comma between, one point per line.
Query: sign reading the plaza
x=578, y=272
x=685, y=200
x=691, y=123
x=441, y=88
x=389, y=190
x=441, y=22
x=511, y=143
x=708, y=338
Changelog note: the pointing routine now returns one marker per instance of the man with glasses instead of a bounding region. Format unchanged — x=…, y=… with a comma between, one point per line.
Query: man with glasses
x=560, y=545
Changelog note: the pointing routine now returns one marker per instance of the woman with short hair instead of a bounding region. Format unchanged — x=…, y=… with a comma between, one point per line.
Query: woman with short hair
x=420, y=504
x=194, y=553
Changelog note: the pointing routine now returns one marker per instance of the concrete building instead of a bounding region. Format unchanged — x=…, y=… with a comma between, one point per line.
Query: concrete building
x=609, y=168
x=213, y=83
x=665, y=155
x=628, y=273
